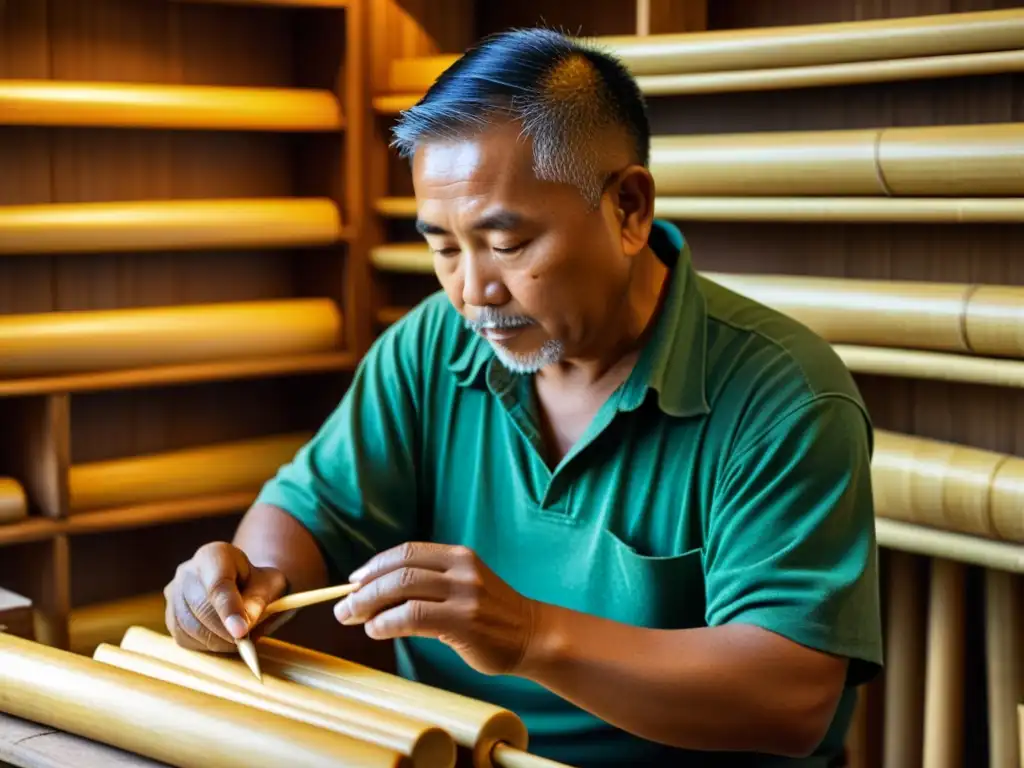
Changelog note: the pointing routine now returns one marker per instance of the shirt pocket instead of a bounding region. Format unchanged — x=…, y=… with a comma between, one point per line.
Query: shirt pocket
x=658, y=592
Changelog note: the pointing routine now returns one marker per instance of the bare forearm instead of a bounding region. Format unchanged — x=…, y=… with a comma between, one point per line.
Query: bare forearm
x=736, y=688
x=271, y=537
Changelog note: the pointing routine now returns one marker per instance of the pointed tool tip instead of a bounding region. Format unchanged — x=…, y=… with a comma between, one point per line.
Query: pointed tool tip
x=247, y=651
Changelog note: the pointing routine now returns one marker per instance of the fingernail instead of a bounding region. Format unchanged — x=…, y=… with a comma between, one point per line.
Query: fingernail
x=357, y=575
x=236, y=626
x=343, y=613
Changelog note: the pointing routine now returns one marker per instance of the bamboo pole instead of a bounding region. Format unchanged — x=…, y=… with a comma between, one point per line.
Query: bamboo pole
x=790, y=46
x=402, y=257
x=945, y=667
x=282, y=3
x=193, y=107
x=1004, y=652
x=93, y=625
x=180, y=727
x=825, y=75
x=410, y=78
x=13, y=503
x=903, y=710
x=173, y=225
x=948, y=486
x=921, y=210
x=962, y=160
x=956, y=547
x=752, y=49
x=936, y=366
x=241, y=465
x=158, y=656
x=951, y=317
x=475, y=725
x=68, y=342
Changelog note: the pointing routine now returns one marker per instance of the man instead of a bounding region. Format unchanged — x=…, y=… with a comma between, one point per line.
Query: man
x=580, y=482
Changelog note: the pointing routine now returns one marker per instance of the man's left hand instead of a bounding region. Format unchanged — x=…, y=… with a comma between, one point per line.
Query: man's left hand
x=445, y=592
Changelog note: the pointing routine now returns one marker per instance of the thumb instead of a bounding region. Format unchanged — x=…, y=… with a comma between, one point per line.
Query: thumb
x=264, y=585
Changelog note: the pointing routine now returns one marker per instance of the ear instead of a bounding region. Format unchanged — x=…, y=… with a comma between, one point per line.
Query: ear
x=633, y=197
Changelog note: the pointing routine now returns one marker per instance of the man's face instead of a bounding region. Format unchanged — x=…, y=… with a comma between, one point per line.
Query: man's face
x=528, y=263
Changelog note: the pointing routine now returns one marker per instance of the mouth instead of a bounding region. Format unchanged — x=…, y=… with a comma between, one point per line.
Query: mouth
x=501, y=334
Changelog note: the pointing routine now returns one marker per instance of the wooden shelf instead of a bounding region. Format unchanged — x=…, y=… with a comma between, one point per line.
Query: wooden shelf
x=191, y=107
x=169, y=225
x=280, y=3
x=140, y=516
x=181, y=374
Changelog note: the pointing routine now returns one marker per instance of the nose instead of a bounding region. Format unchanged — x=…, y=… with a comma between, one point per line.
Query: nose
x=481, y=281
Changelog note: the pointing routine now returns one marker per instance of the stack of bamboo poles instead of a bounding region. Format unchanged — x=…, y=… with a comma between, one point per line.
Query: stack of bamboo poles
x=153, y=698
x=920, y=47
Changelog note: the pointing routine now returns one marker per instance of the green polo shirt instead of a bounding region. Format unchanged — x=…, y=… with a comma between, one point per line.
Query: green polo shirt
x=726, y=480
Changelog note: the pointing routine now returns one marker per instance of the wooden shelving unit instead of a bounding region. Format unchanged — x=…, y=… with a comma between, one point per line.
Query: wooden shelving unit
x=176, y=155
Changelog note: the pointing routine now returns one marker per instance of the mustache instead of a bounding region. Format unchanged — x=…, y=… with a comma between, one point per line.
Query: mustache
x=489, y=318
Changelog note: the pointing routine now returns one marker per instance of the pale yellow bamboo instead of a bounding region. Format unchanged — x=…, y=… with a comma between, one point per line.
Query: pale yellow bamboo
x=960, y=160
x=944, y=667
x=312, y=597
x=403, y=257
x=410, y=78
x=766, y=47
x=13, y=503
x=240, y=465
x=427, y=747
x=848, y=311
x=785, y=163
x=776, y=47
x=1004, y=655
x=806, y=209
x=92, y=625
x=821, y=75
x=475, y=725
x=165, y=722
x=171, y=225
x=904, y=662
x=937, y=366
x=139, y=105
x=948, y=486
x=958, y=547
x=509, y=757
x=67, y=342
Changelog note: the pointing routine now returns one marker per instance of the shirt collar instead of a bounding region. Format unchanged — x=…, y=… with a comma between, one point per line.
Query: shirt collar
x=672, y=363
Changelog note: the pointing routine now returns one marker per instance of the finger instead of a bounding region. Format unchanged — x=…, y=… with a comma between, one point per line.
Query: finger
x=412, y=554
x=189, y=631
x=415, y=618
x=220, y=568
x=263, y=586
x=389, y=590
x=210, y=629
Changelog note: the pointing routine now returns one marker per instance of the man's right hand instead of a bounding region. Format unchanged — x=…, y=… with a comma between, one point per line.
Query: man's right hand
x=216, y=597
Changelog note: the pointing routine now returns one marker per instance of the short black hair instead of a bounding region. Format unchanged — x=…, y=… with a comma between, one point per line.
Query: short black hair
x=568, y=95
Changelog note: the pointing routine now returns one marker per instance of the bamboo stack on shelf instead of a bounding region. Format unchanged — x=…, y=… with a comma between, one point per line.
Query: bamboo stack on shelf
x=143, y=695
x=176, y=226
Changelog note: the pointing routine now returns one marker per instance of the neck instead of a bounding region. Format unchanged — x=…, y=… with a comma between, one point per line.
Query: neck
x=630, y=323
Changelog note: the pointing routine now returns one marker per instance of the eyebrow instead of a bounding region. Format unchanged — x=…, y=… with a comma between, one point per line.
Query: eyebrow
x=499, y=221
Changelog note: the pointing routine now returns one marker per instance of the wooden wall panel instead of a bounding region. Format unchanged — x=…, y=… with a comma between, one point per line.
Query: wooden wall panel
x=578, y=17
x=734, y=14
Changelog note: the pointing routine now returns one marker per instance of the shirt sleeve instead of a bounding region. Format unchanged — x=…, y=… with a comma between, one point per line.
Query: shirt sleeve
x=354, y=484
x=791, y=538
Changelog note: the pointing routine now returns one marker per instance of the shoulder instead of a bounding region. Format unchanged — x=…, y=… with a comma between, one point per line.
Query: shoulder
x=766, y=370
x=425, y=337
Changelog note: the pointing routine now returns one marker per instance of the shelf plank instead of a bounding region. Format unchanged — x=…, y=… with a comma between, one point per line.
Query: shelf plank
x=164, y=375
x=159, y=225
x=182, y=107
x=158, y=513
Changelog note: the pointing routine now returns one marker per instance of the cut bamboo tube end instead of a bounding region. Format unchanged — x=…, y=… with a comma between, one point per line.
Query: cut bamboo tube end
x=475, y=725
x=165, y=722
x=312, y=597
x=137, y=105
x=13, y=502
x=425, y=744
x=163, y=226
x=230, y=467
x=53, y=343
